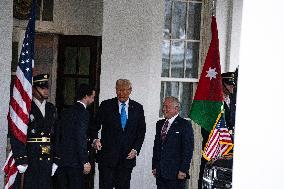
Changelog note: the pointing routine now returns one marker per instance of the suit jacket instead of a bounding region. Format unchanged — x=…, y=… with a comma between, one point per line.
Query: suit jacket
x=116, y=142
x=73, y=136
x=175, y=153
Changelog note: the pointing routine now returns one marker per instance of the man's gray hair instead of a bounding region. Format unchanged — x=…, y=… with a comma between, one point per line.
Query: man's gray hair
x=123, y=82
x=174, y=100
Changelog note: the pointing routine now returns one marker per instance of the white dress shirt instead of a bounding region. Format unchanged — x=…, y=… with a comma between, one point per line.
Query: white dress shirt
x=40, y=105
x=171, y=120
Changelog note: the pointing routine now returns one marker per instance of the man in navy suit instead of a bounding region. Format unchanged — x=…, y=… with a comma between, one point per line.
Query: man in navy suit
x=123, y=127
x=74, y=122
x=173, y=147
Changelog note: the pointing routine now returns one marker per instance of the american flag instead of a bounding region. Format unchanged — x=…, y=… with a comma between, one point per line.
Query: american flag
x=20, y=101
x=220, y=141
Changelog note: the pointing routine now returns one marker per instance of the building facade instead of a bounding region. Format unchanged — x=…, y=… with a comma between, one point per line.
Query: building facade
x=120, y=39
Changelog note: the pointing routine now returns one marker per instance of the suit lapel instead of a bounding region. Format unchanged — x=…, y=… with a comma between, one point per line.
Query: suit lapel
x=116, y=113
x=172, y=128
x=131, y=110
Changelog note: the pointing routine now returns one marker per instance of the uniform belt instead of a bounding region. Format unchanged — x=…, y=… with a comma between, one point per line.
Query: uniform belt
x=42, y=139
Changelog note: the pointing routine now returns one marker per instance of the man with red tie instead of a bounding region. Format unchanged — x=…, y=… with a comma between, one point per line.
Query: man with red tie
x=173, y=147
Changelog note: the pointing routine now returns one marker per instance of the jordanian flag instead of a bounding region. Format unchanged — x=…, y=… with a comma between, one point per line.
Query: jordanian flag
x=208, y=99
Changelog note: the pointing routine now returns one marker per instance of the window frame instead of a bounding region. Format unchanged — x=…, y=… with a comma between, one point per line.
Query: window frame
x=194, y=81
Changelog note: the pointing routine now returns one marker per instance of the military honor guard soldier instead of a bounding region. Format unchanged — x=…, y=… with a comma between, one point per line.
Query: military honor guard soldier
x=35, y=160
x=229, y=84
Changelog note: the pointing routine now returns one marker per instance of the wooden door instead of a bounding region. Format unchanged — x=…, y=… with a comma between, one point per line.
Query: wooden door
x=79, y=59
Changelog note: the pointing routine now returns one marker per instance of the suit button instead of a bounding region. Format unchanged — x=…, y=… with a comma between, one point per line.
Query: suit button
x=40, y=159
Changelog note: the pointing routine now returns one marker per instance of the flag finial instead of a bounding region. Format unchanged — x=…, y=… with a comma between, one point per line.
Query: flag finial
x=214, y=5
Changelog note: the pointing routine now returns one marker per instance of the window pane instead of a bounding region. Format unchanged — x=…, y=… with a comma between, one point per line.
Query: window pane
x=191, y=57
x=194, y=20
x=84, y=60
x=181, y=90
x=162, y=96
x=70, y=62
x=167, y=89
x=172, y=88
x=47, y=13
x=178, y=20
x=167, y=19
x=177, y=57
x=83, y=81
x=185, y=98
x=69, y=91
x=166, y=58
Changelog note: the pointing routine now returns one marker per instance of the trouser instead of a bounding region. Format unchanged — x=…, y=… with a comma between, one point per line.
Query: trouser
x=118, y=177
x=70, y=178
x=163, y=183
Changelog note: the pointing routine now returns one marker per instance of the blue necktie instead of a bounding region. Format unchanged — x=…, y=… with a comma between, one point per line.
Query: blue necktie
x=123, y=117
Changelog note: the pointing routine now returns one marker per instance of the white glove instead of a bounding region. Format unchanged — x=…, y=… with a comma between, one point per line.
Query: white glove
x=54, y=168
x=22, y=168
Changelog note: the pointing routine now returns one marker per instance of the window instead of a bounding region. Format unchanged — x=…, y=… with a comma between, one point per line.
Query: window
x=78, y=62
x=44, y=10
x=180, y=48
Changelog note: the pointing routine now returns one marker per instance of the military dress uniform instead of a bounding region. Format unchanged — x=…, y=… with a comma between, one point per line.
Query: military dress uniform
x=230, y=102
x=39, y=151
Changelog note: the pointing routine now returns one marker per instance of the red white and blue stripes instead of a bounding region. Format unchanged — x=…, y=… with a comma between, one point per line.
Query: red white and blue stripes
x=20, y=101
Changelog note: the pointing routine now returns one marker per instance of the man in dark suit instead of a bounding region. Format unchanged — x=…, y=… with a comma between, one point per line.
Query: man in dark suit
x=123, y=130
x=73, y=152
x=173, y=147
x=36, y=159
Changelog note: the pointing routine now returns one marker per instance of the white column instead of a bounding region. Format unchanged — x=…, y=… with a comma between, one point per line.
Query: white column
x=132, y=42
x=6, y=27
x=132, y=38
x=258, y=151
x=229, y=18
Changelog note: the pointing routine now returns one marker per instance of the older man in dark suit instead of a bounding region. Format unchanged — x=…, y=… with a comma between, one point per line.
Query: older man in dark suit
x=123, y=130
x=173, y=147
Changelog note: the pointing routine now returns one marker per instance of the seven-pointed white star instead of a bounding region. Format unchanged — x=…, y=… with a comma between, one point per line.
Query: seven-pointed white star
x=211, y=73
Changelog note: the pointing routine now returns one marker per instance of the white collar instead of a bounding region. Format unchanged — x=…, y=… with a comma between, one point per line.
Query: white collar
x=126, y=103
x=38, y=103
x=171, y=120
x=85, y=106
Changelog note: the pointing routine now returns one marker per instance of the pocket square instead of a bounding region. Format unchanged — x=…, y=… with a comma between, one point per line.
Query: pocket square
x=177, y=132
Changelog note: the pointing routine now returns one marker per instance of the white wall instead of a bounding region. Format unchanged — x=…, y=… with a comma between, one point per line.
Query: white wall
x=75, y=17
x=132, y=38
x=258, y=154
x=6, y=25
x=70, y=17
x=229, y=18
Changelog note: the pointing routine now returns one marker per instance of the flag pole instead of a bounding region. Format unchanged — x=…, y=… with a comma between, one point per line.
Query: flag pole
x=214, y=4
